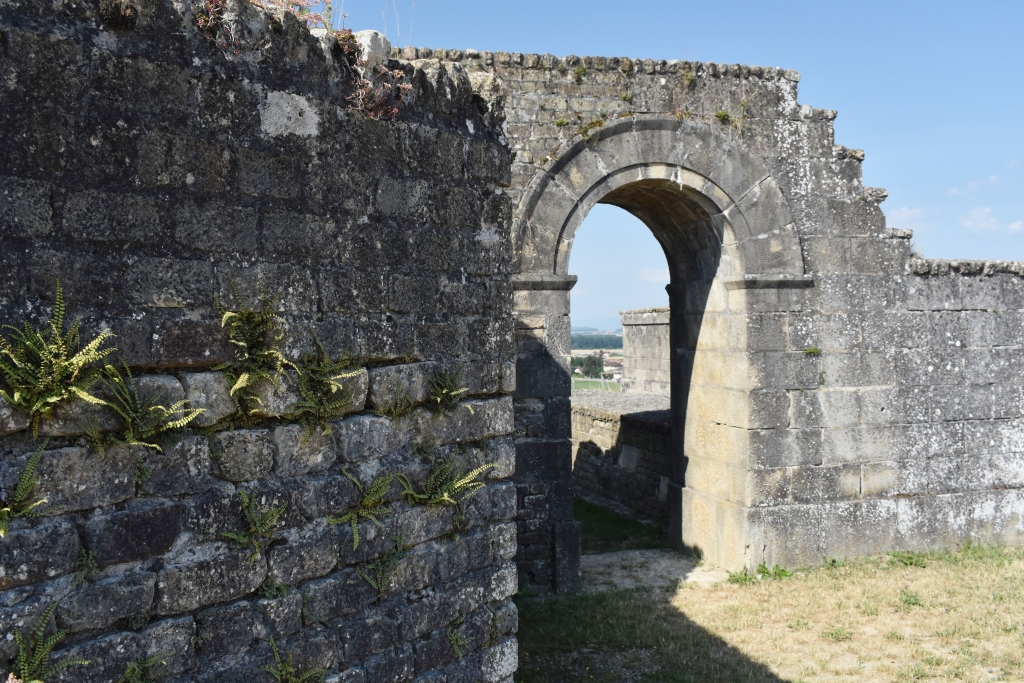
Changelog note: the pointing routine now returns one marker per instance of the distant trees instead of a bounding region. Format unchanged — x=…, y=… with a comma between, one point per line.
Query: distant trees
x=596, y=341
x=590, y=366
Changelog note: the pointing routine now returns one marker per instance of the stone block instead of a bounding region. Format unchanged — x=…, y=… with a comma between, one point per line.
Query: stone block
x=25, y=209
x=77, y=417
x=281, y=616
x=174, y=641
x=182, y=469
x=304, y=554
x=344, y=592
x=472, y=420
x=389, y=382
x=329, y=494
x=499, y=662
x=211, y=392
x=100, y=604
x=392, y=666
x=75, y=478
x=108, y=657
x=144, y=530
x=301, y=450
x=33, y=554
x=366, y=437
x=368, y=634
x=205, y=576
x=11, y=419
x=225, y=630
x=242, y=455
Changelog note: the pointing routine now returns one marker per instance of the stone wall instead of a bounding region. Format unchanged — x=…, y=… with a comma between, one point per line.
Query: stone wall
x=831, y=395
x=622, y=449
x=646, y=351
x=153, y=172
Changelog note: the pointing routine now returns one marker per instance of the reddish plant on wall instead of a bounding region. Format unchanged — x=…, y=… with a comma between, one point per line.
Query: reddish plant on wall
x=380, y=97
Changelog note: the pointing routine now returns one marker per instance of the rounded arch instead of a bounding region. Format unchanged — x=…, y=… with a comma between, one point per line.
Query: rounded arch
x=724, y=225
x=697, y=188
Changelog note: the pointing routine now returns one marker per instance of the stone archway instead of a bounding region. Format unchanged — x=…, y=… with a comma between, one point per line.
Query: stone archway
x=730, y=241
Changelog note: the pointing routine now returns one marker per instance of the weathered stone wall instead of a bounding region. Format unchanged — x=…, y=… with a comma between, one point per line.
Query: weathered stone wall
x=153, y=172
x=831, y=396
x=646, y=351
x=622, y=449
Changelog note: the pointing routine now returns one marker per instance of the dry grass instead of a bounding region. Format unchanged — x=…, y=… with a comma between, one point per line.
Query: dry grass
x=903, y=617
x=941, y=616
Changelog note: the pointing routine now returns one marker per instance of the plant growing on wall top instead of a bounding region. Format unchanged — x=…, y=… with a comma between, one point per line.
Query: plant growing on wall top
x=33, y=663
x=19, y=502
x=144, y=418
x=257, y=335
x=42, y=368
x=371, y=504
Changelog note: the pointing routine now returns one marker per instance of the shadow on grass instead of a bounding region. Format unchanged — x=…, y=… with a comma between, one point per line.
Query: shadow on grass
x=623, y=636
x=604, y=531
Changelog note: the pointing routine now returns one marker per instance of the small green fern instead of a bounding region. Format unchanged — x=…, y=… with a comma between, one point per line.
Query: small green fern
x=260, y=526
x=324, y=397
x=371, y=505
x=33, y=663
x=41, y=369
x=445, y=393
x=19, y=502
x=284, y=671
x=455, y=638
x=143, y=418
x=379, y=571
x=144, y=670
x=85, y=568
x=257, y=337
x=401, y=406
x=445, y=485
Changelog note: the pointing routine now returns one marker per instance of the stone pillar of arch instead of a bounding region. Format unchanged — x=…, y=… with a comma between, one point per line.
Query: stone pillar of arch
x=733, y=252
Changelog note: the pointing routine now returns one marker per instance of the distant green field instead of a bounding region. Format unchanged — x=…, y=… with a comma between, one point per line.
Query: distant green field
x=596, y=385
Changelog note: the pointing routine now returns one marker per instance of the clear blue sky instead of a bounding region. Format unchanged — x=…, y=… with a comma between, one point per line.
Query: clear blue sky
x=932, y=91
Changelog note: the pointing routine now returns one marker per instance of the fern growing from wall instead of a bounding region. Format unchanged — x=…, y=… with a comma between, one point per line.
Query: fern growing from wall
x=371, y=505
x=257, y=336
x=319, y=383
x=284, y=670
x=19, y=502
x=445, y=393
x=144, y=418
x=33, y=663
x=43, y=368
x=259, y=526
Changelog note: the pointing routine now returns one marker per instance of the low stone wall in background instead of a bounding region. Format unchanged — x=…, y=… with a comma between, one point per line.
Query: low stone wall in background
x=621, y=449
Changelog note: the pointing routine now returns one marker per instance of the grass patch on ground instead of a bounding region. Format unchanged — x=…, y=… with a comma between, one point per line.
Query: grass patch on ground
x=596, y=385
x=900, y=617
x=604, y=531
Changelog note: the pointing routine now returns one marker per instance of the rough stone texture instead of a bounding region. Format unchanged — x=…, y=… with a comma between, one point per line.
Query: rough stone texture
x=622, y=450
x=155, y=173
x=210, y=392
x=242, y=455
x=11, y=419
x=100, y=605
